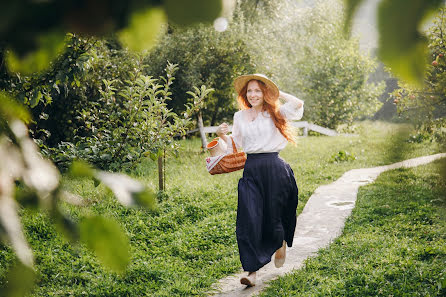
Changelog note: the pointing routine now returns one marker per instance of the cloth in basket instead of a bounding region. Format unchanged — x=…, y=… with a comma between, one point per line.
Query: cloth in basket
x=231, y=161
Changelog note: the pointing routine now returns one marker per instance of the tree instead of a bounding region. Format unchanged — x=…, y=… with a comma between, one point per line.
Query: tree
x=402, y=46
x=332, y=72
x=205, y=57
x=33, y=33
x=306, y=52
x=426, y=105
x=29, y=180
x=71, y=84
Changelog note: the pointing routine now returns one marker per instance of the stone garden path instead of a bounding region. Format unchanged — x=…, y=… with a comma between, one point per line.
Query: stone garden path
x=321, y=221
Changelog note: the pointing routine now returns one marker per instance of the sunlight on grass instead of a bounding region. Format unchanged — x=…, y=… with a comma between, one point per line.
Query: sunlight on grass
x=392, y=245
x=188, y=242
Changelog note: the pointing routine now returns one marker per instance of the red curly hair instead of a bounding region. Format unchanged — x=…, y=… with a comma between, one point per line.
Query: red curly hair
x=270, y=104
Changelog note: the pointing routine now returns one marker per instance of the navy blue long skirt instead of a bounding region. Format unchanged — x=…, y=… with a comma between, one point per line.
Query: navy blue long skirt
x=266, y=212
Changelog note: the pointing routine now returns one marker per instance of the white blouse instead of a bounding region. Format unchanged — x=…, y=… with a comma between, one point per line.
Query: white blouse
x=261, y=135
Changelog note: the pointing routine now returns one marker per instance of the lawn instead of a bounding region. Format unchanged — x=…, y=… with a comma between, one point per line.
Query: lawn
x=188, y=242
x=394, y=243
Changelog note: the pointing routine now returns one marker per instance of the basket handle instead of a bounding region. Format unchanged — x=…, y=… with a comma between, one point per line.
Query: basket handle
x=234, y=148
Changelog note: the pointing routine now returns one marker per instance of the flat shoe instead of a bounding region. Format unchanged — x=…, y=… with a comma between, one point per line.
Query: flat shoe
x=278, y=262
x=249, y=280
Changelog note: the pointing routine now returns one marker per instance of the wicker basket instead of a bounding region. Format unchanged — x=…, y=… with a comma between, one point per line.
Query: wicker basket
x=231, y=162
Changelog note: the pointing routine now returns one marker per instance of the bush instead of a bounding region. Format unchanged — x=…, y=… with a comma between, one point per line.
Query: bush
x=309, y=55
x=432, y=130
x=129, y=121
x=205, y=57
x=342, y=156
x=95, y=104
x=58, y=96
x=426, y=106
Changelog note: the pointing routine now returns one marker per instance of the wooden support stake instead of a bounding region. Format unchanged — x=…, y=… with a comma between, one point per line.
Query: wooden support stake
x=204, y=141
x=160, y=174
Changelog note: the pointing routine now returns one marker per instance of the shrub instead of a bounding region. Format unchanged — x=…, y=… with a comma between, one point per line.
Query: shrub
x=342, y=156
x=205, y=57
x=71, y=84
x=310, y=56
x=426, y=106
x=129, y=121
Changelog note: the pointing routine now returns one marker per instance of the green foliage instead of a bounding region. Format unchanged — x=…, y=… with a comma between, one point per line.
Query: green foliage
x=342, y=156
x=249, y=12
x=70, y=85
x=94, y=104
x=426, y=105
x=129, y=121
x=434, y=130
x=402, y=46
x=33, y=181
x=308, y=54
x=335, y=82
x=26, y=26
x=205, y=57
x=187, y=243
x=107, y=239
x=392, y=245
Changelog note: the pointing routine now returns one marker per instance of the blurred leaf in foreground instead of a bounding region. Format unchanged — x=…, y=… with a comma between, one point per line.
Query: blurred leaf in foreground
x=20, y=281
x=81, y=169
x=34, y=30
x=350, y=8
x=143, y=29
x=402, y=46
x=10, y=226
x=9, y=108
x=109, y=242
x=128, y=191
x=50, y=46
x=193, y=11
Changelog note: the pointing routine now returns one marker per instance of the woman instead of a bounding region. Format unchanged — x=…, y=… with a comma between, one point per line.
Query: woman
x=267, y=192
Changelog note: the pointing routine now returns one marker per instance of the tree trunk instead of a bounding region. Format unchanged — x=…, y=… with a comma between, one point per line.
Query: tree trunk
x=160, y=174
x=204, y=141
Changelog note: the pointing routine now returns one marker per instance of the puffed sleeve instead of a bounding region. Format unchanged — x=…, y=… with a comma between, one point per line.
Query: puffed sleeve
x=236, y=132
x=290, y=110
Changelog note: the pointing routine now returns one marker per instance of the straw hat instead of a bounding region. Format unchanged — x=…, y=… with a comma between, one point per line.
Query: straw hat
x=242, y=80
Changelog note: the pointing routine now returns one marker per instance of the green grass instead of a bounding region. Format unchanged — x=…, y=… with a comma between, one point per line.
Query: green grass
x=188, y=242
x=394, y=243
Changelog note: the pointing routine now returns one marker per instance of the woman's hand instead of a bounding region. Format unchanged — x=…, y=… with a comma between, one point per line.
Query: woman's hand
x=287, y=97
x=222, y=130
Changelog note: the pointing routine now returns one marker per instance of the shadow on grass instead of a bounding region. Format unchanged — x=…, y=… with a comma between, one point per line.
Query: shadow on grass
x=397, y=147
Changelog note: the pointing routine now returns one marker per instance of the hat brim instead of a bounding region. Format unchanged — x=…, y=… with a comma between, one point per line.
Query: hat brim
x=242, y=80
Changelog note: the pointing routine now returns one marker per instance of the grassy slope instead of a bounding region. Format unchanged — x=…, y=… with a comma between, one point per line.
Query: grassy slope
x=394, y=244
x=188, y=243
